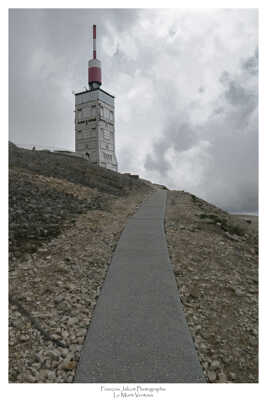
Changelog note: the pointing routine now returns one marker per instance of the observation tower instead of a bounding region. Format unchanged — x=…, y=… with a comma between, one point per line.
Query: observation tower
x=94, y=119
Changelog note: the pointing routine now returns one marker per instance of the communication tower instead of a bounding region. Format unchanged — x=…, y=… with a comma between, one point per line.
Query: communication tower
x=94, y=119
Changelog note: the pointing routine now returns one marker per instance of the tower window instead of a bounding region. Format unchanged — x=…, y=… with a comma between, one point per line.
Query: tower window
x=107, y=157
x=93, y=110
x=106, y=134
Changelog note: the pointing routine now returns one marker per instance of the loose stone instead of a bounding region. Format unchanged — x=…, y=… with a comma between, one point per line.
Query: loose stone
x=212, y=376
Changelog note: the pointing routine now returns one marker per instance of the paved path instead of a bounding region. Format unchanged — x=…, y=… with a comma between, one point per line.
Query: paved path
x=138, y=333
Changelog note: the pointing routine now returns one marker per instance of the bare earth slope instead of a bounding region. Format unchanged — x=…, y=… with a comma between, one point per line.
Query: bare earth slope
x=215, y=260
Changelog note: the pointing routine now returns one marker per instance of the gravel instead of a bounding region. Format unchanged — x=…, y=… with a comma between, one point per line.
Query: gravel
x=216, y=270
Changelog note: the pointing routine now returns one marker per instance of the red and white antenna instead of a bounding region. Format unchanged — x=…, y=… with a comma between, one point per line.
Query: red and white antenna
x=94, y=67
x=94, y=41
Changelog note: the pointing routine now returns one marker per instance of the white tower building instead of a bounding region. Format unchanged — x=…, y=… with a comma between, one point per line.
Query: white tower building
x=94, y=119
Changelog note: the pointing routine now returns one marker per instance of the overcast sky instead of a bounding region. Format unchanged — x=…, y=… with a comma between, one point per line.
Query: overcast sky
x=185, y=83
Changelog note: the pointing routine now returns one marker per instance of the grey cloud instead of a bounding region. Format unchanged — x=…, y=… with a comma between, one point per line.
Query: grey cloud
x=236, y=94
x=179, y=136
x=172, y=32
x=218, y=110
x=230, y=179
x=157, y=162
x=183, y=135
x=121, y=62
x=123, y=17
x=251, y=64
x=224, y=78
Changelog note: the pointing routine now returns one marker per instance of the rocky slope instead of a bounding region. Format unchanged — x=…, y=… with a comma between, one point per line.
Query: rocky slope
x=215, y=260
x=65, y=218
x=48, y=191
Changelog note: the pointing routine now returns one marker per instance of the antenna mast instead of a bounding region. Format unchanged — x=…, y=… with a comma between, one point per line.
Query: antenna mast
x=94, y=67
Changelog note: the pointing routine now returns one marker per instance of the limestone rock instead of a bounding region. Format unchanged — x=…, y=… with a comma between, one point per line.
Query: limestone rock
x=215, y=365
x=212, y=376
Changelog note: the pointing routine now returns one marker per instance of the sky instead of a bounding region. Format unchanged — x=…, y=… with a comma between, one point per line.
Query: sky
x=185, y=83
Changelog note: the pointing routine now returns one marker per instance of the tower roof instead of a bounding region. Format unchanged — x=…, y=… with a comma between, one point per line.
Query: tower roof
x=101, y=90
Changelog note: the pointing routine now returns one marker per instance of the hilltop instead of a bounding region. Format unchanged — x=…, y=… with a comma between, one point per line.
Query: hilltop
x=47, y=191
x=65, y=219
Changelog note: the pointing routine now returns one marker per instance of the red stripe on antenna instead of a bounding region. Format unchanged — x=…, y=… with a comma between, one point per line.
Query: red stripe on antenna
x=94, y=75
x=94, y=31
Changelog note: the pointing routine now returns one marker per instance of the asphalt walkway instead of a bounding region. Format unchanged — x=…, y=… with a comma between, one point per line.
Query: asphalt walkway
x=138, y=333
